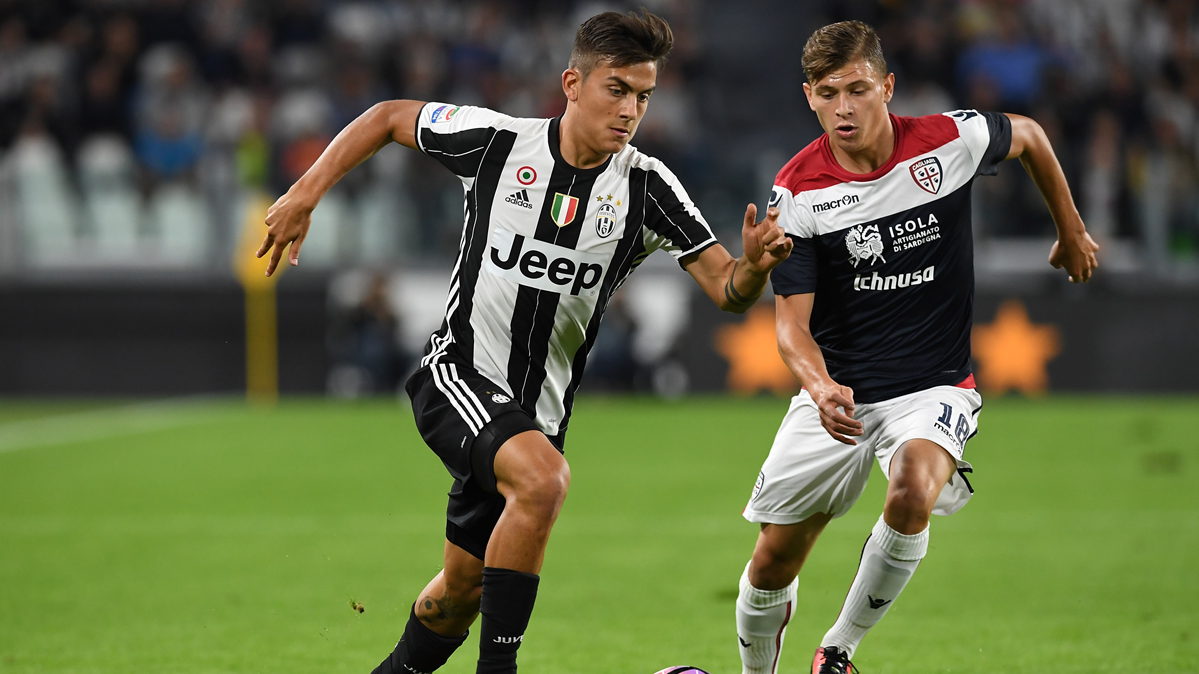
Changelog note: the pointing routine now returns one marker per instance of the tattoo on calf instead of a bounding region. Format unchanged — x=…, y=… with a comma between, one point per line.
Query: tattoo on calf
x=445, y=607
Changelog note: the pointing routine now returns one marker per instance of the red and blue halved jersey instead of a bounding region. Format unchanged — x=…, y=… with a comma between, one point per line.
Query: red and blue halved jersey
x=889, y=254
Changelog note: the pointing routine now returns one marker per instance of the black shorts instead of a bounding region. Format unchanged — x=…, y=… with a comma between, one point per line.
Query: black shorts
x=464, y=418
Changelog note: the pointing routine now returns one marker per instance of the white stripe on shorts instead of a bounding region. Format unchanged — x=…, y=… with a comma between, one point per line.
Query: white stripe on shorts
x=470, y=395
x=455, y=398
x=456, y=386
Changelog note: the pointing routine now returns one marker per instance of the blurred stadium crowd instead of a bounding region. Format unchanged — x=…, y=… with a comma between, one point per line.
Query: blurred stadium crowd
x=133, y=132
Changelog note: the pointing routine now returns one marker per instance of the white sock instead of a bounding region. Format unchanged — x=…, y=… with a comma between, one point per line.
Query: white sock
x=762, y=617
x=888, y=561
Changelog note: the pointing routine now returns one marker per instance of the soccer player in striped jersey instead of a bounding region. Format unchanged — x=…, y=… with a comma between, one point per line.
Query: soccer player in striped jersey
x=558, y=213
x=873, y=312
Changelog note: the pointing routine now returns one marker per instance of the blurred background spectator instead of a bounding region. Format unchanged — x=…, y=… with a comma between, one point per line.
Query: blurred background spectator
x=364, y=340
x=116, y=115
x=133, y=133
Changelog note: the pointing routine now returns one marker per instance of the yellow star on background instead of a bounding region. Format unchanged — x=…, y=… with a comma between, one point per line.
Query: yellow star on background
x=752, y=351
x=1012, y=351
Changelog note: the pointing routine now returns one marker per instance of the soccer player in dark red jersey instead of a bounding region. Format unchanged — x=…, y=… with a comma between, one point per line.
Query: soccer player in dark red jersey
x=873, y=317
x=559, y=212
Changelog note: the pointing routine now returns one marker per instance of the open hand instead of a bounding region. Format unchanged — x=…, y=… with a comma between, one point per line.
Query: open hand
x=287, y=222
x=765, y=242
x=1076, y=252
x=836, y=412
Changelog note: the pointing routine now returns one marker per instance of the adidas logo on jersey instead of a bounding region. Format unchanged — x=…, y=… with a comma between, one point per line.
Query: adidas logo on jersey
x=521, y=199
x=542, y=265
x=876, y=282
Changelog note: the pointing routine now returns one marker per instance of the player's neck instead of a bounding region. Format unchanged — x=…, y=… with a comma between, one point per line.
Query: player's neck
x=574, y=150
x=872, y=156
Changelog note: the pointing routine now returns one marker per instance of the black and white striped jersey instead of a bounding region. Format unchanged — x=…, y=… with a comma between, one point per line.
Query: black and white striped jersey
x=544, y=247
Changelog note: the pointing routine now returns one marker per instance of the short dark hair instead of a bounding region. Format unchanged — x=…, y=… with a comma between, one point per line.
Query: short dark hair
x=837, y=44
x=620, y=40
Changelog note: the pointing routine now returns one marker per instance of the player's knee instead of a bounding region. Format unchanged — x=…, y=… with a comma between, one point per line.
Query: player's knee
x=778, y=557
x=545, y=490
x=771, y=570
x=464, y=590
x=909, y=507
x=768, y=557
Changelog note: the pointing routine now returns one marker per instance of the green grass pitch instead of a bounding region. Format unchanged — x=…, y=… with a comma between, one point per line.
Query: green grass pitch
x=213, y=537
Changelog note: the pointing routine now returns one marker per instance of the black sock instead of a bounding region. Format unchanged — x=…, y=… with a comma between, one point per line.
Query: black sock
x=420, y=651
x=507, y=603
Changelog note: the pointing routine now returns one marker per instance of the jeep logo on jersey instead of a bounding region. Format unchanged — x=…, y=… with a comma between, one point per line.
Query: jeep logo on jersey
x=864, y=241
x=605, y=220
x=544, y=266
x=927, y=174
x=564, y=209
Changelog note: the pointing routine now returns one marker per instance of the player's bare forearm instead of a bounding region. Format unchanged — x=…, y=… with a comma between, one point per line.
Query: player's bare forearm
x=289, y=218
x=735, y=285
x=805, y=360
x=1032, y=147
x=731, y=284
x=383, y=123
x=1074, y=250
x=796, y=344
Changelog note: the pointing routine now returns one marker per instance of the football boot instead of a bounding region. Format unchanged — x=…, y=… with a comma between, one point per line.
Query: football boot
x=832, y=660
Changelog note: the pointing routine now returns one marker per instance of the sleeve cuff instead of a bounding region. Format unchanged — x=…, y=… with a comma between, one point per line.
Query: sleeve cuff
x=416, y=131
x=785, y=289
x=696, y=250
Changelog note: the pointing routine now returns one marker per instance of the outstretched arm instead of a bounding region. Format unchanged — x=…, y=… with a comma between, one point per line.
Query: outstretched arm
x=735, y=284
x=806, y=362
x=1074, y=249
x=289, y=218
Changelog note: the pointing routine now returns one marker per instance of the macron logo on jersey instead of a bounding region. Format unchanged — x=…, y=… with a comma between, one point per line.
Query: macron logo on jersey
x=835, y=203
x=541, y=265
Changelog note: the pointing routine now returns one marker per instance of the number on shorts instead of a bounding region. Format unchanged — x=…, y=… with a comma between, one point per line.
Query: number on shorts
x=946, y=415
x=962, y=430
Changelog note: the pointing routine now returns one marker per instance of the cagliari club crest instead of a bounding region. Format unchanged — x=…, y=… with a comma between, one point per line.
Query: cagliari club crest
x=927, y=174
x=864, y=243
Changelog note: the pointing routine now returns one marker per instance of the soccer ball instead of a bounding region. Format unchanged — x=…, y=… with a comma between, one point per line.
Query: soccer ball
x=684, y=669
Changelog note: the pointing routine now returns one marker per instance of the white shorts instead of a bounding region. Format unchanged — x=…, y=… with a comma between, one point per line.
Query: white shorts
x=809, y=472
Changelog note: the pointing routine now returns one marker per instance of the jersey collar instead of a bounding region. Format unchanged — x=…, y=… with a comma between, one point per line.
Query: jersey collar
x=556, y=151
x=847, y=176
